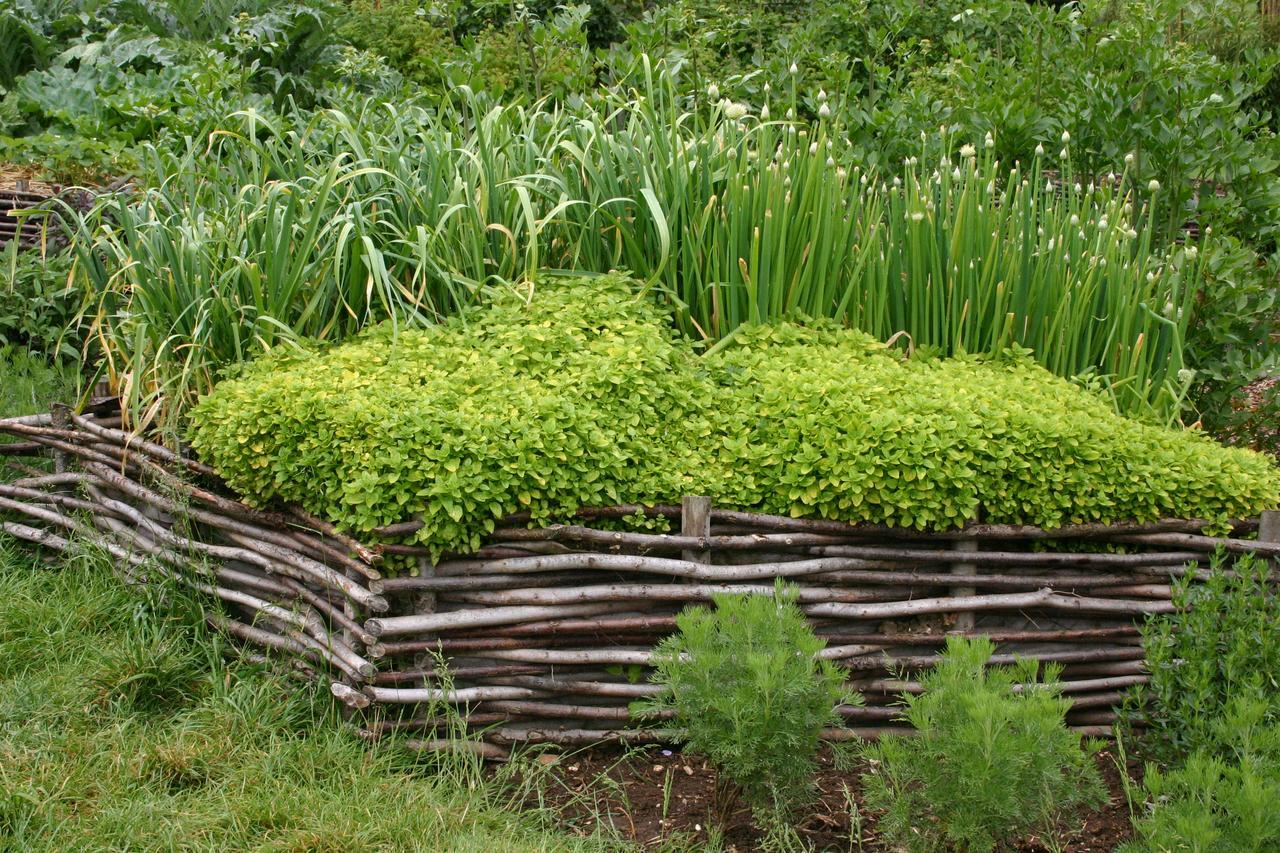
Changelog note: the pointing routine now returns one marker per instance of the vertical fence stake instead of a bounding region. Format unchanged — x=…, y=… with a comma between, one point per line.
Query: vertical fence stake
x=61, y=420
x=964, y=621
x=695, y=520
x=1269, y=531
x=352, y=612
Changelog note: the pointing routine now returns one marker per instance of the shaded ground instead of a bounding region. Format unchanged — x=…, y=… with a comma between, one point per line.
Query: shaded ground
x=664, y=799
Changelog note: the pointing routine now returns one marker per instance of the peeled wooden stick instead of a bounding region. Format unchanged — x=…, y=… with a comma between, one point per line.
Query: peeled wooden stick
x=825, y=545
x=510, y=736
x=280, y=558
x=133, y=441
x=488, y=751
x=1012, y=601
x=430, y=622
x=369, y=555
x=552, y=710
x=556, y=685
x=659, y=592
x=457, y=696
x=1206, y=544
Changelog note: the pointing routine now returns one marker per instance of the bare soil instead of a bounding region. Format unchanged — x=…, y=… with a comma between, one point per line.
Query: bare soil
x=656, y=797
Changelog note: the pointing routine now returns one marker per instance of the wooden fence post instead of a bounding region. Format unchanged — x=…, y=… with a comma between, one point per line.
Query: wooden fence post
x=695, y=520
x=964, y=621
x=1269, y=530
x=62, y=420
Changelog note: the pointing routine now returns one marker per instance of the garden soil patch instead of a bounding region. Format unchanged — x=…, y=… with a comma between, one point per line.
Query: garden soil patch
x=654, y=797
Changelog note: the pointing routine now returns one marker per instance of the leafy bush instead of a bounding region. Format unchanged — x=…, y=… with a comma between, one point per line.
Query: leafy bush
x=1215, y=804
x=988, y=763
x=583, y=395
x=1222, y=645
x=402, y=31
x=748, y=688
x=38, y=302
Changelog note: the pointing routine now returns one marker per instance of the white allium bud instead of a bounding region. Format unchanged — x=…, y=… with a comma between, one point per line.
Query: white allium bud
x=1154, y=186
x=1066, y=137
x=1039, y=150
x=831, y=161
x=764, y=113
x=822, y=95
x=955, y=173
x=1129, y=158
x=1062, y=155
x=824, y=111
x=813, y=148
x=713, y=92
x=990, y=141
x=1075, y=220
x=794, y=69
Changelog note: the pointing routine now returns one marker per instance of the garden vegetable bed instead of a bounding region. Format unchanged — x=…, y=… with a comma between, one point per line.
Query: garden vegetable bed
x=544, y=635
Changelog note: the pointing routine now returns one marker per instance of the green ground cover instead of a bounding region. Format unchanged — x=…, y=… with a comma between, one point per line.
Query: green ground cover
x=578, y=393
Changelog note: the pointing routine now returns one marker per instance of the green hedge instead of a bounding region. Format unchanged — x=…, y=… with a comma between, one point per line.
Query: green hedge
x=581, y=395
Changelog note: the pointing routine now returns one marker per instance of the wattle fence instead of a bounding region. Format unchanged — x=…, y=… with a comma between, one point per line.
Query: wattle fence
x=545, y=635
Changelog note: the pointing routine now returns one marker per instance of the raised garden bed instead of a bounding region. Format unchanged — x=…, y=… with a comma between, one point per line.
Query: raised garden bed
x=544, y=635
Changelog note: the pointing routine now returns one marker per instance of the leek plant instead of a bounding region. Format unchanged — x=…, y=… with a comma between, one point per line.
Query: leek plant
x=267, y=235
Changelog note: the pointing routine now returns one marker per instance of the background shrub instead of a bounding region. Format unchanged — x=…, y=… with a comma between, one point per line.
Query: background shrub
x=987, y=764
x=750, y=692
x=1222, y=646
x=38, y=302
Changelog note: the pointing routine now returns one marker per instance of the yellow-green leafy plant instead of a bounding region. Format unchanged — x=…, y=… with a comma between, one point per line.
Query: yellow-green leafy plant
x=578, y=392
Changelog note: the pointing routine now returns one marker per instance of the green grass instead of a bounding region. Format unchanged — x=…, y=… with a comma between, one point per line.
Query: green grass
x=123, y=726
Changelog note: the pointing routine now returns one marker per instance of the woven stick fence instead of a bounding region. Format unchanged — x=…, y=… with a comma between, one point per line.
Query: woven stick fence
x=545, y=635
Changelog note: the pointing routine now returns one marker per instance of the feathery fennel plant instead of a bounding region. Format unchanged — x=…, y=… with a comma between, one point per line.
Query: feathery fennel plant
x=991, y=759
x=750, y=688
